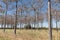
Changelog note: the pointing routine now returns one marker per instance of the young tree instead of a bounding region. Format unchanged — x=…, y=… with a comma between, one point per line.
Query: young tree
x=41, y=19
x=15, y=22
x=36, y=9
x=2, y=11
x=6, y=3
x=15, y=19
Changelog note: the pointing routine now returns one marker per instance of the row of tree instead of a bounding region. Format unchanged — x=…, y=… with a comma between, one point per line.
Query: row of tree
x=18, y=12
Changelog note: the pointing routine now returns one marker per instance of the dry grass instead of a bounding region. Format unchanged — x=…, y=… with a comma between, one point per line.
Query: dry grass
x=28, y=35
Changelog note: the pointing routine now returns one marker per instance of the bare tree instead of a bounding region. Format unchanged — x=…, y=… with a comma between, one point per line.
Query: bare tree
x=41, y=19
x=49, y=20
x=2, y=16
x=6, y=2
x=15, y=19
x=15, y=22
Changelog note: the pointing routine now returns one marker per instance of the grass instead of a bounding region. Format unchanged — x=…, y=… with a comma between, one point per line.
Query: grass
x=28, y=34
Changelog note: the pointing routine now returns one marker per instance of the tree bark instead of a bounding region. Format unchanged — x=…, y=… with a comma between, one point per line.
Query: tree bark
x=49, y=20
x=15, y=19
x=41, y=24
x=2, y=24
x=56, y=26
x=5, y=18
x=56, y=22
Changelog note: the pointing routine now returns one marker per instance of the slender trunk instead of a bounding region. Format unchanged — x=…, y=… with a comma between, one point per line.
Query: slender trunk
x=15, y=19
x=21, y=19
x=56, y=26
x=49, y=20
x=11, y=22
x=11, y=26
x=36, y=18
x=34, y=24
x=7, y=26
x=2, y=24
x=38, y=23
x=56, y=22
x=41, y=24
x=20, y=25
x=5, y=18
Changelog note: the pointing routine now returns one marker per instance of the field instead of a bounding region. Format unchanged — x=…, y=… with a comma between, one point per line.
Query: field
x=28, y=34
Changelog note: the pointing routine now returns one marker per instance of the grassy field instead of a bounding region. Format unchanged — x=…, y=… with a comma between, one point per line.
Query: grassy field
x=28, y=34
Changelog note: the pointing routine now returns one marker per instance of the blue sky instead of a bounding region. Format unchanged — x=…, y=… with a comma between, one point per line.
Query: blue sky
x=24, y=2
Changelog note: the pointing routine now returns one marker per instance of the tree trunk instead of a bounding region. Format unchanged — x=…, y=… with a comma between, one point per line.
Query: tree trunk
x=21, y=18
x=34, y=24
x=2, y=24
x=11, y=25
x=15, y=19
x=20, y=25
x=49, y=20
x=41, y=24
x=5, y=19
x=56, y=22
x=56, y=26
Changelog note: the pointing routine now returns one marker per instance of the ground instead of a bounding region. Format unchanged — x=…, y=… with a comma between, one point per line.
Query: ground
x=28, y=34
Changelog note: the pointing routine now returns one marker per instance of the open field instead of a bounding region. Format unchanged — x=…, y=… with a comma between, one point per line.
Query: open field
x=28, y=34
